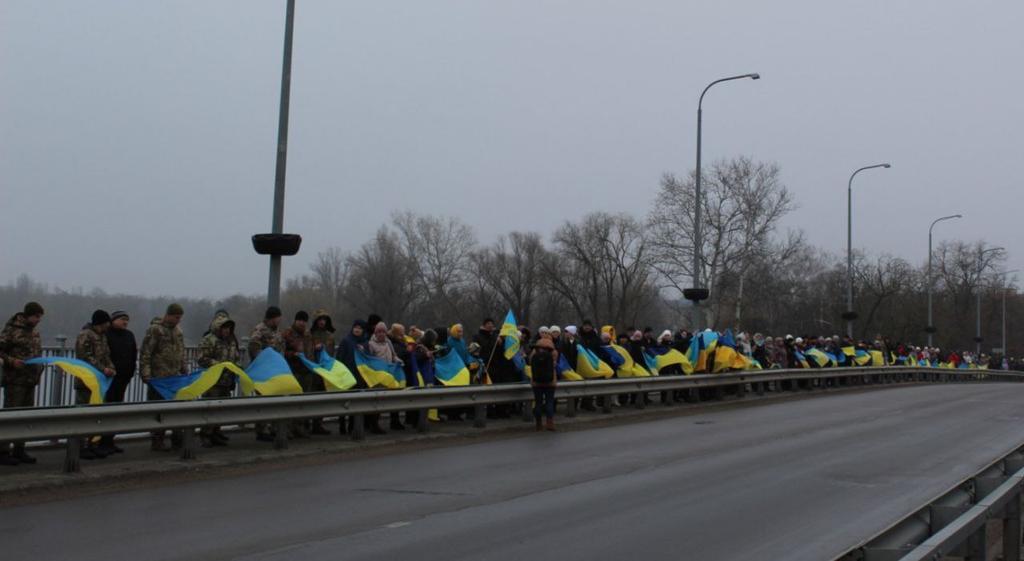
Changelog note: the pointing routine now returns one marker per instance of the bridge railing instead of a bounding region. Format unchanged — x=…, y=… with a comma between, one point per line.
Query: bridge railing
x=74, y=422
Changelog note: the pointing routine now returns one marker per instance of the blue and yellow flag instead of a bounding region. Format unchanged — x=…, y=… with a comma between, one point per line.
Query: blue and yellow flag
x=658, y=358
x=194, y=385
x=701, y=344
x=801, y=359
x=877, y=358
x=817, y=358
x=727, y=357
x=510, y=331
x=589, y=366
x=451, y=370
x=861, y=357
x=269, y=374
x=96, y=381
x=377, y=372
x=624, y=364
x=337, y=377
x=565, y=372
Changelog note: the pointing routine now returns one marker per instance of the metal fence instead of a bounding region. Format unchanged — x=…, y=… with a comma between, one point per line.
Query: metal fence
x=56, y=389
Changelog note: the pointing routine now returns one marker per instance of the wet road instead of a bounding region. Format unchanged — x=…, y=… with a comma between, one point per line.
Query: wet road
x=801, y=480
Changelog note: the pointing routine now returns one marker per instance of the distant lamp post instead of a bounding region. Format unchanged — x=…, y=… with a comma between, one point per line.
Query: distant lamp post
x=698, y=292
x=977, y=315
x=1005, y=290
x=851, y=315
x=931, y=325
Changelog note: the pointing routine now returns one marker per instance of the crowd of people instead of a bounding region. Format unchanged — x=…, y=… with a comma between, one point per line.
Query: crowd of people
x=107, y=344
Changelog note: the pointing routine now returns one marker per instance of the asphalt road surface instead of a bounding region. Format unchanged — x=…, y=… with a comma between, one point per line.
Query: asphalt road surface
x=796, y=480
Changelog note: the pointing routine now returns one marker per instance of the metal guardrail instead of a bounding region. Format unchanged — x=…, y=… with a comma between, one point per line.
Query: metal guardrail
x=75, y=422
x=955, y=523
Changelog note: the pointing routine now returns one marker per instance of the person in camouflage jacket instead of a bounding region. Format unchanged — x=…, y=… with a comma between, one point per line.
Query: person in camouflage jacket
x=20, y=341
x=92, y=347
x=219, y=345
x=163, y=355
x=265, y=335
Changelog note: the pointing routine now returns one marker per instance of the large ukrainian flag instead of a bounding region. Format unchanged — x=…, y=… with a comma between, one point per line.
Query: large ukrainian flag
x=589, y=366
x=565, y=372
x=269, y=374
x=194, y=385
x=337, y=377
x=624, y=364
x=96, y=381
x=510, y=331
x=451, y=370
x=658, y=358
x=701, y=345
x=377, y=372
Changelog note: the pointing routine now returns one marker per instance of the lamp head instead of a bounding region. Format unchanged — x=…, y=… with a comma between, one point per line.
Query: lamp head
x=887, y=166
x=754, y=76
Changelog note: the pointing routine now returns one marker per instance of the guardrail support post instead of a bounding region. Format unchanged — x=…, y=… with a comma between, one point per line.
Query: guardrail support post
x=527, y=413
x=423, y=422
x=741, y=390
x=606, y=404
x=1011, y=531
x=760, y=388
x=188, y=444
x=71, y=462
x=281, y=434
x=977, y=546
x=479, y=416
x=358, y=427
x=570, y=407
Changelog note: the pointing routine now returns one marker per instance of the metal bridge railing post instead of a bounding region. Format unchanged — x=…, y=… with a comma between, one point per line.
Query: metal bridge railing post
x=188, y=444
x=358, y=427
x=1012, y=530
x=281, y=434
x=479, y=416
x=71, y=462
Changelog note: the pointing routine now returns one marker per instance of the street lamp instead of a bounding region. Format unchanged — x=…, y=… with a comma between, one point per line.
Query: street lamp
x=1003, y=274
x=277, y=244
x=851, y=315
x=931, y=326
x=698, y=293
x=977, y=318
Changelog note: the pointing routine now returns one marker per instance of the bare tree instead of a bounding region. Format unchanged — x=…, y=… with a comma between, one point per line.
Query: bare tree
x=438, y=250
x=381, y=278
x=511, y=270
x=742, y=204
x=602, y=267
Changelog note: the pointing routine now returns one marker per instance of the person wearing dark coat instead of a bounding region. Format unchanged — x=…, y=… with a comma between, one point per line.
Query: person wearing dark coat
x=346, y=353
x=124, y=353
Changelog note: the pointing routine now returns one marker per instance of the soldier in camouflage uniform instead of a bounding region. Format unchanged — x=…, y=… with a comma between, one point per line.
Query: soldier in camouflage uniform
x=219, y=345
x=297, y=340
x=322, y=333
x=265, y=335
x=163, y=355
x=91, y=346
x=20, y=341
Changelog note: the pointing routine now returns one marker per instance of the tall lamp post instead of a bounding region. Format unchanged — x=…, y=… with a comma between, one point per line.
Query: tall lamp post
x=1005, y=290
x=851, y=315
x=277, y=244
x=977, y=317
x=698, y=292
x=931, y=325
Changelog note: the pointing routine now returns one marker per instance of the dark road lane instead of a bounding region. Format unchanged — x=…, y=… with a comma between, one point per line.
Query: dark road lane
x=800, y=480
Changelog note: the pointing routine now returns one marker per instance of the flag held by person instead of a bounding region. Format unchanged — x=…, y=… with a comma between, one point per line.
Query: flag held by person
x=94, y=380
x=589, y=366
x=451, y=370
x=337, y=377
x=269, y=374
x=193, y=385
x=510, y=333
x=380, y=373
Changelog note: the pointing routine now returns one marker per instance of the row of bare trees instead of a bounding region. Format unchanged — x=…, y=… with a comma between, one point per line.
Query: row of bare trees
x=628, y=270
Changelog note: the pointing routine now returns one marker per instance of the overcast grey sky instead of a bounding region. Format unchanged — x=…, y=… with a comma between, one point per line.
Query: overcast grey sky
x=138, y=138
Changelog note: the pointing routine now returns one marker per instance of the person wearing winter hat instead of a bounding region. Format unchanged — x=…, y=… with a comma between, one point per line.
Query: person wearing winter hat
x=217, y=346
x=20, y=341
x=124, y=353
x=297, y=340
x=322, y=333
x=266, y=336
x=91, y=347
x=162, y=356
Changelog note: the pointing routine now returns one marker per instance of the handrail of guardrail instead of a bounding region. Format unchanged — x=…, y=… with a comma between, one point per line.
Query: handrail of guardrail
x=70, y=421
x=953, y=524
